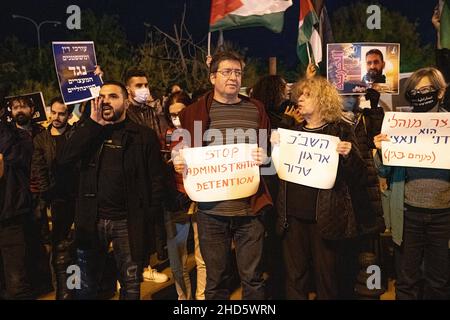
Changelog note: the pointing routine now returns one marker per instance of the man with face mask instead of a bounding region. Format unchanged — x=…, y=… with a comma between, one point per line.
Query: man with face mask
x=120, y=190
x=140, y=110
x=143, y=112
x=419, y=204
x=57, y=190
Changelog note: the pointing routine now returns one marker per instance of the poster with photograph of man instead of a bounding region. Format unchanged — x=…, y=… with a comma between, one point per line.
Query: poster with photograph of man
x=35, y=100
x=354, y=67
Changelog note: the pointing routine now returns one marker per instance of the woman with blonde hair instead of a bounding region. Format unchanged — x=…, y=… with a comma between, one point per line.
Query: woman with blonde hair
x=313, y=220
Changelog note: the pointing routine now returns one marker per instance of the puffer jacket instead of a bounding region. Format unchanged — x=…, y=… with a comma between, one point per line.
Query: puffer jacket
x=337, y=209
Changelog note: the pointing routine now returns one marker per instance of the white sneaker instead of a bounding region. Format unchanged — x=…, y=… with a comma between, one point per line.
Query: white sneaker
x=155, y=276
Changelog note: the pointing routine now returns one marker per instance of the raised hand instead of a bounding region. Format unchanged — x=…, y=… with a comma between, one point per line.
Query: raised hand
x=96, y=111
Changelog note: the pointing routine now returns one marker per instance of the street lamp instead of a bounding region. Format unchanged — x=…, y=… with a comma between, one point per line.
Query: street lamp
x=38, y=28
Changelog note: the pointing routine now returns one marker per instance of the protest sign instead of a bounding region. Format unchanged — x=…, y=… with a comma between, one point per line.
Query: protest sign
x=35, y=99
x=75, y=64
x=417, y=139
x=219, y=173
x=305, y=158
x=354, y=67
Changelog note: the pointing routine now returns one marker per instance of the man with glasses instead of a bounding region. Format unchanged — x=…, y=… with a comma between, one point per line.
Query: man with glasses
x=224, y=110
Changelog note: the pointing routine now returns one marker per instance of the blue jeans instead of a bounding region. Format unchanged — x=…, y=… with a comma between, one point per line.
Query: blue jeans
x=92, y=261
x=178, y=226
x=216, y=234
x=424, y=256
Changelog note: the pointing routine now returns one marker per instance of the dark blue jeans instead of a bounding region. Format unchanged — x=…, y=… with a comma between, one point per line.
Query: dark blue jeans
x=424, y=256
x=92, y=261
x=12, y=256
x=215, y=235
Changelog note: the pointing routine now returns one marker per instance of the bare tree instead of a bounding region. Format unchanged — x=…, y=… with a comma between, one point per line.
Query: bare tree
x=173, y=58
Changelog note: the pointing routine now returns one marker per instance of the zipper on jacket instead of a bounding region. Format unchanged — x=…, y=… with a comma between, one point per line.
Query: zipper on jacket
x=285, y=223
x=317, y=204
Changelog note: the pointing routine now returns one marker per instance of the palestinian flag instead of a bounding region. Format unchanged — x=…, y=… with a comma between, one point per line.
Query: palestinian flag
x=233, y=14
x=445, y=24
x=309, y=43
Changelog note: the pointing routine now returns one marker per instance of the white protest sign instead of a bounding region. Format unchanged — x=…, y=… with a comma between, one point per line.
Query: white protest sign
x=417, y=139
x=220, y=172
x=305, y=158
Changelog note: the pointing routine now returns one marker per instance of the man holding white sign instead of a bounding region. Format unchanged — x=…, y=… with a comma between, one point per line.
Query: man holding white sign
x=419, y=198
x=223, y=117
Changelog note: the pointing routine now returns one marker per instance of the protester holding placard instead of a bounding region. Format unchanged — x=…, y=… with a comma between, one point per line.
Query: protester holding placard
x=223, y=117
x=180, y=213
x=420, y=205
x=311, y=219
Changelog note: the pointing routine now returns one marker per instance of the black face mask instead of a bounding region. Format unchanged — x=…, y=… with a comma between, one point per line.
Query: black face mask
x=423, y=102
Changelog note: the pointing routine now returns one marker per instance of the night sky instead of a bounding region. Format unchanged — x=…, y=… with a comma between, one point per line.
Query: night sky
x=258, y=41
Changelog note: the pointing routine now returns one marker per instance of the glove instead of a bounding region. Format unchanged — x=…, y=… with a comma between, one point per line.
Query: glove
x=374, y=97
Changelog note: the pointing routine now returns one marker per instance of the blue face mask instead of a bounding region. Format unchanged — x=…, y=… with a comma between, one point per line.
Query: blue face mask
x=350, y=103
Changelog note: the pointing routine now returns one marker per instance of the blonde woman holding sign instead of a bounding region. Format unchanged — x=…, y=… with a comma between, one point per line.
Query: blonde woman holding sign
x=313, y=221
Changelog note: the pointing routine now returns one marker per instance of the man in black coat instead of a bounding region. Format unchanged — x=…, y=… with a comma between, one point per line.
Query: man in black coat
x=16, y=148
x=56, y=188
x=120, y=187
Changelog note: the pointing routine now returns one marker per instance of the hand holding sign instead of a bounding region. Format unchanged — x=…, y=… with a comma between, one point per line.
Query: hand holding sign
x=179, y=163
x=380, y=138
x=344, y=148
x=259, y=155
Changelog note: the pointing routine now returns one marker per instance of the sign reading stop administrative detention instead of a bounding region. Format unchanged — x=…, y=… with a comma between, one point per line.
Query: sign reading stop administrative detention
x=220, y=173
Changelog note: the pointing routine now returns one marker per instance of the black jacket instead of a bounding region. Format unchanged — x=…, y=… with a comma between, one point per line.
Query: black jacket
x=17, y=148
x=368, y=125
x=338, y=208
x=43, y=166
x=143, y=167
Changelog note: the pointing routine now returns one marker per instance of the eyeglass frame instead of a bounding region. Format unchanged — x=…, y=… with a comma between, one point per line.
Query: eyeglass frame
x=422, y=90
x=237, y=72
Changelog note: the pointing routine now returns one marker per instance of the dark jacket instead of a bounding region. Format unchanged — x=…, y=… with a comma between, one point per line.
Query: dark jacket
x=142, y=164
x=43, y=165
x=336, y=208
x=147, y=116
x=367, y=126
x=17, y=148
x=199, y=111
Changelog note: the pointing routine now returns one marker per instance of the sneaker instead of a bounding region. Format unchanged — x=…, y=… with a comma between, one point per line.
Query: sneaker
x=155, y=276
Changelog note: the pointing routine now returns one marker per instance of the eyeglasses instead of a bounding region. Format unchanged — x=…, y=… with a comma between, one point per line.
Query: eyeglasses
x=228, y=72
x=422, y=90
x=174, y=115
